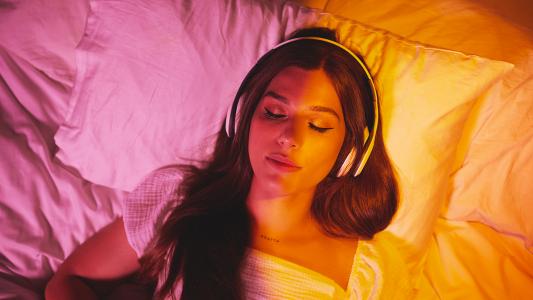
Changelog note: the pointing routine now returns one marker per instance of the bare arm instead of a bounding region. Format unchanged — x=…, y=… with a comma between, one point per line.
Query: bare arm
x=106, y=256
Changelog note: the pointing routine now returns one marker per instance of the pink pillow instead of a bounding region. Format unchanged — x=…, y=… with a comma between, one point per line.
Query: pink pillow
x=154, y=79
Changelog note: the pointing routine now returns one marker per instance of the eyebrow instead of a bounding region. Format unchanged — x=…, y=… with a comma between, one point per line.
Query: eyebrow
x=312, y=107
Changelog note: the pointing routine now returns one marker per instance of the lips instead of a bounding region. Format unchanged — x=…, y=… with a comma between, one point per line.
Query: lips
x=283, y=160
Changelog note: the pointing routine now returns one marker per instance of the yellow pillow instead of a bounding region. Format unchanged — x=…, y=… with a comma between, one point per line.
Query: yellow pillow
x=426, y=97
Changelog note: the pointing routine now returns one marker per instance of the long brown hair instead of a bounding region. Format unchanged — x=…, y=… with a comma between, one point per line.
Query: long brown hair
x=204, y=239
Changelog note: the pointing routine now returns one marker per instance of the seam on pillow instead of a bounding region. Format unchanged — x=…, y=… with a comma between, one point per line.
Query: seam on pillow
x=81, y=62
x=328, y=18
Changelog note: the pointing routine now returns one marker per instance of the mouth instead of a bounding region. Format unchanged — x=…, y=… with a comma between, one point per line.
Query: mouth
x=282, y=164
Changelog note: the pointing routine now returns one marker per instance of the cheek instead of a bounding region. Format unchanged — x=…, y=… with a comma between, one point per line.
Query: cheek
x=322, y=156
x=257, y=132
x=257, y=139
x=323, y=153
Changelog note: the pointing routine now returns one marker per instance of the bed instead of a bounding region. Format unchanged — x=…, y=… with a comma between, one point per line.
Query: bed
x=95, y=94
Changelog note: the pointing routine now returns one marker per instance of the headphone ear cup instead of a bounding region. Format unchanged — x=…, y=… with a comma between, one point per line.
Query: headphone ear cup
x=347, y=164
x=237, y=116
x=230, y=132
x=228, y=121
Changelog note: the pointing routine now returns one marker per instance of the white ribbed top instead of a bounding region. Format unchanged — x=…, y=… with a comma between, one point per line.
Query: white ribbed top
x=378, y=270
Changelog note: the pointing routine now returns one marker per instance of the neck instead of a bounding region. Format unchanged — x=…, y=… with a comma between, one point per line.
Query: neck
x=280, y=217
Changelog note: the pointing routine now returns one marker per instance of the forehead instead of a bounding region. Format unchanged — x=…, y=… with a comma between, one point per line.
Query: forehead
x=303, y=87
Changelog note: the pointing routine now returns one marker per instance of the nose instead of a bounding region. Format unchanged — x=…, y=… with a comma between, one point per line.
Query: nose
x=286, y=142
x=290, y=136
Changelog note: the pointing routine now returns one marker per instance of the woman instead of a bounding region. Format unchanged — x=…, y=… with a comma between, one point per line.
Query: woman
x=297, y=186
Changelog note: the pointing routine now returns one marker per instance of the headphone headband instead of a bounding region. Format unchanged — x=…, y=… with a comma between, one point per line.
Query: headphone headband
x=234, y=110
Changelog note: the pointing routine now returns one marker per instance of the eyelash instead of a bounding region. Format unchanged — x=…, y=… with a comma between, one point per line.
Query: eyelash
x=273, y=116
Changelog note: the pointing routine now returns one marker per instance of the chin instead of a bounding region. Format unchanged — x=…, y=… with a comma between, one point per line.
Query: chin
x=280, y=185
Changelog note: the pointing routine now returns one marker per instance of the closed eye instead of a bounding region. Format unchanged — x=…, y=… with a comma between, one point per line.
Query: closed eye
x=319, y=129
x=272, y=115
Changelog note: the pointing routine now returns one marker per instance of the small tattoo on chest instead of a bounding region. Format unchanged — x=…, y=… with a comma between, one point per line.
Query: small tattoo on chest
x=269, y=238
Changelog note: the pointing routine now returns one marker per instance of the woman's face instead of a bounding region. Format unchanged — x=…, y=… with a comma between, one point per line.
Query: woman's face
x=299, y=119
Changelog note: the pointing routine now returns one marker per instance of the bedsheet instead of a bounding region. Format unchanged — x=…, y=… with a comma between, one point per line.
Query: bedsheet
x=482, y=242
x=36, y=191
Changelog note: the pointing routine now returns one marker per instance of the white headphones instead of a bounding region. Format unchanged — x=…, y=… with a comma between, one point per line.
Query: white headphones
x=233, y=114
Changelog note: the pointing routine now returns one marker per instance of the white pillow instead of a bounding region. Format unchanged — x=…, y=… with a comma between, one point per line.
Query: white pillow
x=155, y=79
x=427, y=94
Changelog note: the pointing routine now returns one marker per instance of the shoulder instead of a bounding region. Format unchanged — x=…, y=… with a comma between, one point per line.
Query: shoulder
x=154, y=188
x=146, y=207
x=159, y=180
x=381, y=269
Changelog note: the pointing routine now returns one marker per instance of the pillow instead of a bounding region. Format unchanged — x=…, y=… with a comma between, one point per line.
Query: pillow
x=476, y=27
x=489, y=185
x=426, y=97
x=155, y=79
